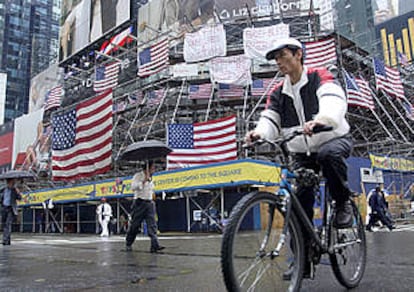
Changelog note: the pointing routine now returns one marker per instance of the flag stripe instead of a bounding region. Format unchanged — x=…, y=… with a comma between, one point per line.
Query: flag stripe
x=82, y=139
x=54, y=97
x=358, y=92
x=106, y=77
x=153, y=59
x=388, y=79
x=212, y=141
x=320, y=53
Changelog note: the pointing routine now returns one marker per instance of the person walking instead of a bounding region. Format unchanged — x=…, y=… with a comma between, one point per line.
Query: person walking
x=143, y=208
x=379, y=210
x=104, y=212
x=8, y=199
x=308, y=98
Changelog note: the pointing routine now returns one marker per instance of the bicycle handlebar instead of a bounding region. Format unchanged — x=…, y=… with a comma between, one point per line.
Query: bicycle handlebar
x=283, y=140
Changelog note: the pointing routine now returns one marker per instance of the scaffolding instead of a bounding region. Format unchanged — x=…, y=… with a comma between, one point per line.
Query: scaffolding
x=384, y=130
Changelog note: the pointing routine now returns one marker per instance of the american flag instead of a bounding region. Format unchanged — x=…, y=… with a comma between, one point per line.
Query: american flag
x=116, y=41
x=136, y=97
x=388, y=79
x=409, y=110
x=106, y=77
x=154, y=97
x=82, y=139
x=153, y=59
x=230, y=90
x=320, y=53
x=54, y=97
x=200, y=91
x=259, y=86
x=202, y=143
x=402, y=58
x=358, y=92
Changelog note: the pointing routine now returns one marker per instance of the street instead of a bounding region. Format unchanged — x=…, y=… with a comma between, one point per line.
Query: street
x=191, y=262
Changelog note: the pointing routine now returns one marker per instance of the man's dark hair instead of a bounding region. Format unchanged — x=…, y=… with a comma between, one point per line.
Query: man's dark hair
x=294, y=50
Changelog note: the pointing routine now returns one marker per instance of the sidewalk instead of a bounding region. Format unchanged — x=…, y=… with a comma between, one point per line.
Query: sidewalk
x=38, y=262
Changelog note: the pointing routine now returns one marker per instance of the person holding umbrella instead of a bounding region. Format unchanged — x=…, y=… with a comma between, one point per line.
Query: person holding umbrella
x=143, y=208
x=8, y=199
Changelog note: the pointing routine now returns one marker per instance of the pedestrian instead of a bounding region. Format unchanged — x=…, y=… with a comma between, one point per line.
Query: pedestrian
x=308, y=98
x=8, y=198
x=104, y=212
x=379, y=210
x=143, y=208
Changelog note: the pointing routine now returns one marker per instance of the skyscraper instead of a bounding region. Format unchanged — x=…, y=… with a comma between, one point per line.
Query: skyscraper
x=28, y=37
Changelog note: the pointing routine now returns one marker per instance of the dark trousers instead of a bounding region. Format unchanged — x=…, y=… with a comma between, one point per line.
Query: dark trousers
x=143, y=210
x=331, y=159
x=379, y=215
x=7, y=217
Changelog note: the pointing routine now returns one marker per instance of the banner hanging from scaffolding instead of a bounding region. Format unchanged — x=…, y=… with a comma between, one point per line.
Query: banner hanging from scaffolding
x=231, y=70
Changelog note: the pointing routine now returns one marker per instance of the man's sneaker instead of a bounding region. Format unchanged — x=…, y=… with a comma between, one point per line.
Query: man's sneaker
x=157, y=249
x=343, y=218
x=128, y=248
x=368, y=228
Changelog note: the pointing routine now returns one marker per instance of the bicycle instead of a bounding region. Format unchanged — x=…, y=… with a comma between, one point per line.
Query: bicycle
x=263, y=239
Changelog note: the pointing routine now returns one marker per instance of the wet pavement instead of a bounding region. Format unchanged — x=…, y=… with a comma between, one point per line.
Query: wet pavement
x=190, y=262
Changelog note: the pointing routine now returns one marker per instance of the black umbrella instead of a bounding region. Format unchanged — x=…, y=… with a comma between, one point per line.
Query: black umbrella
x=145, y=150
x=18, y=174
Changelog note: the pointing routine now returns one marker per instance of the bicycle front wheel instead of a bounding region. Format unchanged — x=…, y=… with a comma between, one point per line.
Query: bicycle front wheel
x=350, y=251
x=248, y=258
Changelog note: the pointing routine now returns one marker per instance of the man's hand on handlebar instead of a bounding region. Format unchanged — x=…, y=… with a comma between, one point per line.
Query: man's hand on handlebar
x=310, y=125
x=251, y=136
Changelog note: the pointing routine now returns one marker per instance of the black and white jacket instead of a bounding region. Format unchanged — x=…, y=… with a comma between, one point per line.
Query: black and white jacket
x=315, y=97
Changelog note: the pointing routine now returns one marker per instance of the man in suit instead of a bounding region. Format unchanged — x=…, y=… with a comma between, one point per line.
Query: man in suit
x=104, y=212
x=8, y=199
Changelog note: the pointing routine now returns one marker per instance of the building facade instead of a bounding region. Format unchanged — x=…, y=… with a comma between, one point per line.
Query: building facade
x=28, y=35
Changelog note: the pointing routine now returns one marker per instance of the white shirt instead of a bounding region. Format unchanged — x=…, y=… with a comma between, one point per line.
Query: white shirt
x=142, y=189
x=104, y=209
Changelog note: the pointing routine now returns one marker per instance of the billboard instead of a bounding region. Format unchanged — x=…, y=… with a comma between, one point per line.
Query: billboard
x=40, y=86
x=181, y=16
x=397, y=39
x=85, y=21
x=6, y=146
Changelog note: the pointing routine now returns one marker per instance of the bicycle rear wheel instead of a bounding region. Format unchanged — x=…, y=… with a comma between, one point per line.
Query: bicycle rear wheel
x=350, y=252
x=248, y=260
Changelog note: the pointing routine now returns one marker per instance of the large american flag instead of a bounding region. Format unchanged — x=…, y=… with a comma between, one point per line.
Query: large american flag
x=358, y=92
x=116, y=41
x=230, y=91
x=259, y=86
x=82, y=139
x=106, y=77
x=54, y=97
x=388, y=79
x=153, y=59
x=320, y=53
x=202, y=143
x=200, y=91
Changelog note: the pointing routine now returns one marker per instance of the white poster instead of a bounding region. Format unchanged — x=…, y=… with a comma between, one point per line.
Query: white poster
x=205, y=44
x=3, y=87
x=257, y=41
x=231, y=70
x=184, y=70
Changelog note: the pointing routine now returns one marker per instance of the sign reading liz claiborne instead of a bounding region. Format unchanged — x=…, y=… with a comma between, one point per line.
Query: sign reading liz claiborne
x=234, y=173
x=391, y=163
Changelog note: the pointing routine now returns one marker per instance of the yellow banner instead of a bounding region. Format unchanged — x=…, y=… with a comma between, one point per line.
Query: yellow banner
x=219, y=175
x=93, y=191
x=391, y=163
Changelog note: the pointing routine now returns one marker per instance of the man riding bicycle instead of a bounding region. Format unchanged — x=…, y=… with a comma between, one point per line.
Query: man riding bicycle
x=309, y=97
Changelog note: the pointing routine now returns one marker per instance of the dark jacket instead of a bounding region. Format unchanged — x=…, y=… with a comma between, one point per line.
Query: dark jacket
x=14, y=197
